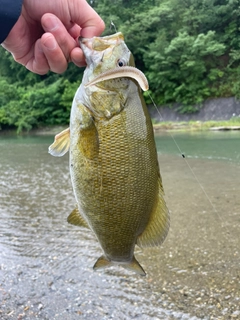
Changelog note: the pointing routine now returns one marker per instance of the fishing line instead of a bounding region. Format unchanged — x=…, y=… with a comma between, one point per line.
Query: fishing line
x=190, y=168
x=182, y=154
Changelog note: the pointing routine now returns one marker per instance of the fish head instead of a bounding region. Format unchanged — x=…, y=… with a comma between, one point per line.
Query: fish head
x=106, y=53
x=110, y=73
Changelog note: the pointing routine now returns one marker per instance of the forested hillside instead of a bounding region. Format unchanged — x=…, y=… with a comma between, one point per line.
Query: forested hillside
x=188, y=49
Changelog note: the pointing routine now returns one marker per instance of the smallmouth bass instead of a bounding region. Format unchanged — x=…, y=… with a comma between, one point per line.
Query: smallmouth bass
x=113, y=159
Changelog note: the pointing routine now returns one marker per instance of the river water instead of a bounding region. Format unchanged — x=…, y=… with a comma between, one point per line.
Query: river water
x=46, y=264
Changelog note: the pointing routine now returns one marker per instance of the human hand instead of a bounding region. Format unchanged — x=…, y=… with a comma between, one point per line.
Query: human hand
x=44, y=37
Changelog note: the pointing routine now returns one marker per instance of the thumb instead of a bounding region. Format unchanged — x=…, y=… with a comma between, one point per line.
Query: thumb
x=90, y=22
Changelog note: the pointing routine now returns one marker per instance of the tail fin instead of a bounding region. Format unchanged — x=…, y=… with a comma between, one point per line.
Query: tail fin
x=134, y=265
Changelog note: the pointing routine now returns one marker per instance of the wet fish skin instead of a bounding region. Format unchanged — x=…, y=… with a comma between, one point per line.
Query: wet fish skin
x=113, y=159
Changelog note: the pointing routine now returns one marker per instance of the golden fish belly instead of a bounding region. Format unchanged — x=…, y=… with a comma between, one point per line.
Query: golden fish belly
x=114, y=172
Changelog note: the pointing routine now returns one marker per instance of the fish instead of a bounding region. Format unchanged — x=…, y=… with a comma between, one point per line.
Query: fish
x=113, y=159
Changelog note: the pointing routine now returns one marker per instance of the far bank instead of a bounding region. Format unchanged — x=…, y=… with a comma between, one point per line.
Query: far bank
x=213, y=114
x=217, y=109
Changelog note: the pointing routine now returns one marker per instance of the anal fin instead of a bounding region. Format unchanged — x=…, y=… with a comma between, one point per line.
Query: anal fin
x=61, y=144
x=76, y=219
x=158, y=225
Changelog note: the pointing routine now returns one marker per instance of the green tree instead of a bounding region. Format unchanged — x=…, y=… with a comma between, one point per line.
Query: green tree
x=186, y=68
x=189, y=50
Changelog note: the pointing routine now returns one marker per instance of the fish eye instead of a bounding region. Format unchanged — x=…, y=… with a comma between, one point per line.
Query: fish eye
x=121, y=63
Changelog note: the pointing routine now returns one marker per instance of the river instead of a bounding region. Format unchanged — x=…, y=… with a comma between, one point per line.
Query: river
x=46, y=264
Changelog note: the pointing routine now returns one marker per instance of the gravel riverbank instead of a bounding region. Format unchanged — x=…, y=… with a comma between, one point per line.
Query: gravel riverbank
x=46, y=264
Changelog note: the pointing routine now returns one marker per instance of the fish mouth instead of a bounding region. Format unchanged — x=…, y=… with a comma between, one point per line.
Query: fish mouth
x=87, y=48
x=119, y=72
x=85, y=43
x=101, y=43
x=92, y=47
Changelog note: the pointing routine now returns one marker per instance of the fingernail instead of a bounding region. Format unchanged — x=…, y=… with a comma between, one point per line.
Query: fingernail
x=50, y=23
x=50, y=43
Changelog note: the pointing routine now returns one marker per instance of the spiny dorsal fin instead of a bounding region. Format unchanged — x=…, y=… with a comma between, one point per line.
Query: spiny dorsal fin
x=158, y=225
x=76, y=219
x=61, y=144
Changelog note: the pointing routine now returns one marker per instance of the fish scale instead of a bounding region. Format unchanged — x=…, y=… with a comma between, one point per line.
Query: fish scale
x=113, y=158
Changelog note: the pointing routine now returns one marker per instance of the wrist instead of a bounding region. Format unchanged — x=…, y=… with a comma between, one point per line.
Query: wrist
x=10, y=11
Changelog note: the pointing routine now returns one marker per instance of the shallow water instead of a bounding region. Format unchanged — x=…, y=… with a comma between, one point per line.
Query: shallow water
x=46, y=264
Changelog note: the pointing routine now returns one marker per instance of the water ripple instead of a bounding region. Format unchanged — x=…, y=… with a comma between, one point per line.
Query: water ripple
x=46, y=264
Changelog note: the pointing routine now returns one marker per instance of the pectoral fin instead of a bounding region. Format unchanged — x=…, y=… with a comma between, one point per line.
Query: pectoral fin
x=61, y=144
x=76, y=219
x=158, y=225
x=88, y=142
x=134, y=265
